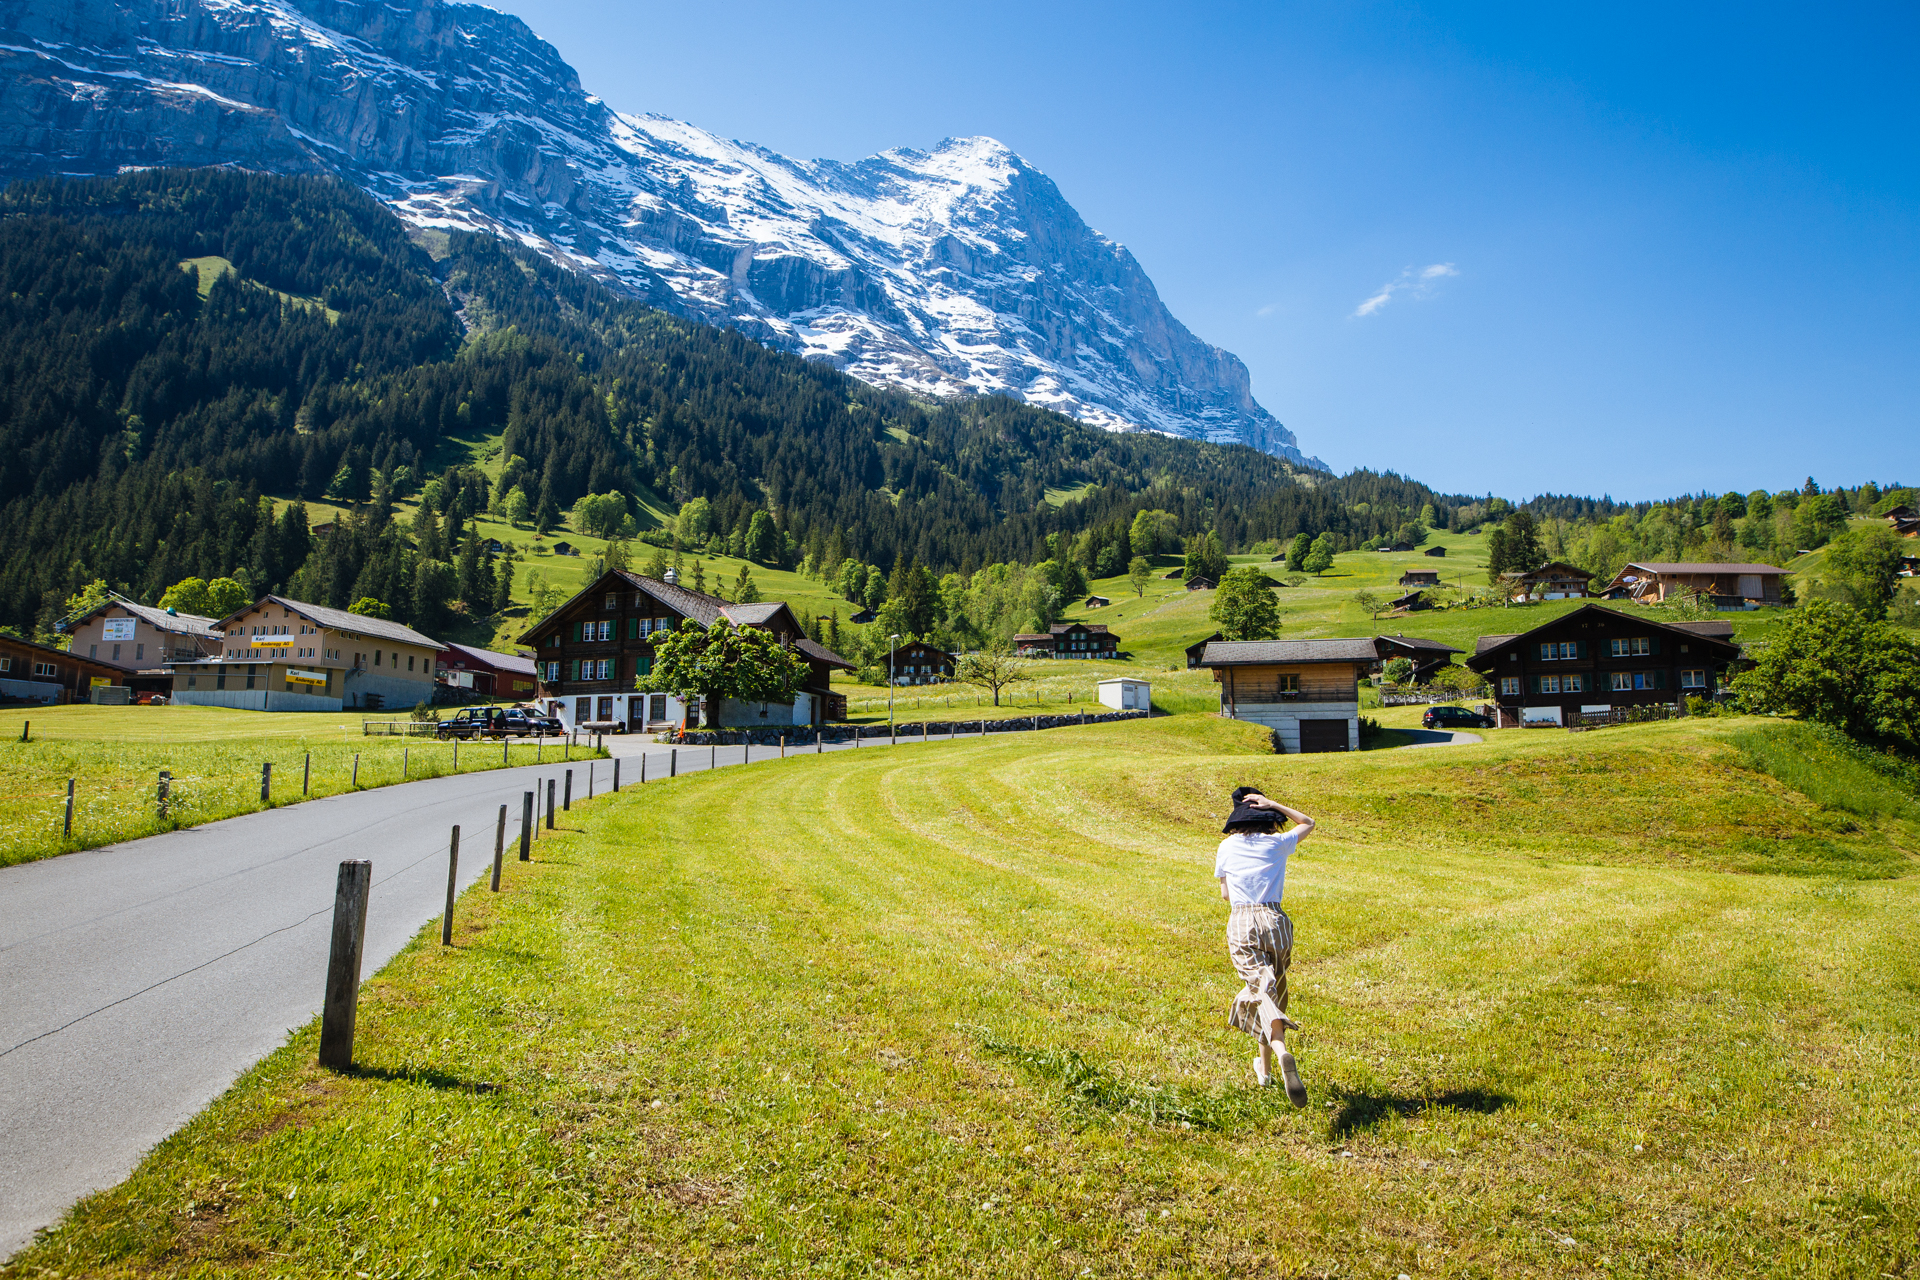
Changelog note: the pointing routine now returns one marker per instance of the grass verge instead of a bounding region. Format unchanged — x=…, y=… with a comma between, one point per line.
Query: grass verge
x=114, y=756
x=958, y=1011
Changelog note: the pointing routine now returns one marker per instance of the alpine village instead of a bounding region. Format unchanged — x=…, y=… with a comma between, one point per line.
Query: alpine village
x=581, y=697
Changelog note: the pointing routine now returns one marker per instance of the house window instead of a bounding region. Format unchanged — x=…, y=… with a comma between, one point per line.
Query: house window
x=613, y=599
x=1572, y=684
x=1287, y=684
x=376, y=657
x=140, y=653
x=1695, y=679
x=582, y=709
x=1637, y=647
x=1509, y=686
x=606, y=629
x=409, y=662
x=45, y=669
x=553, y=641
x=116, y=653
x=1547, y=684
x=603, y=669
x=6, y=663
x=93, y=651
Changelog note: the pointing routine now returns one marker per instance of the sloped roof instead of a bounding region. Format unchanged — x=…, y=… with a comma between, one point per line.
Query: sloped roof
x=1059, y=628
x=1654, y=566
x=1553, y=568
x=186, y=624
x=1715, y=629
x=504, y=661
x=341, y=620
x=1489, y=643
x=1236, y=653
x=820, y=653
x=1419, y=642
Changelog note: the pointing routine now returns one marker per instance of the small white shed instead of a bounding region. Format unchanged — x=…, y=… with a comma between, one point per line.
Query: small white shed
x=1127, y=694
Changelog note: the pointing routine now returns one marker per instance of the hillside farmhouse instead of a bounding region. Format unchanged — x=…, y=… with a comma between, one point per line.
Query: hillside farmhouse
x=1596, y=660
x=1555, y=580
x=590, y=650
x=921, y=663
x=287, y=655
x=1306, y=691
x=1731, y=586
x=1420, y=578
x=1427, y=656
x=1072, y=640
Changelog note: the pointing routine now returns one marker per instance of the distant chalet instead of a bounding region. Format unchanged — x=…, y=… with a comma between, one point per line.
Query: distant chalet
x=1072, y=640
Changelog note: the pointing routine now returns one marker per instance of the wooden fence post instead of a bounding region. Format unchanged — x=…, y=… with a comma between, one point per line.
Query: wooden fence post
x=503, y=746
x=453, y=885
x=306, y=775
x=67, y=834
x=589, y=779
x=673, y=763
x=566, y=795
x=404, y=762
x=526, y=826
x=499, y=847
x=713, y=761
x=162, y=794
x=549, y=804
x=746, y=749
x=783, y=746
x=26, y=727
x=643, y=767
x=356, y=769
x=343, y=964
x=616, y=774
x=266, y=781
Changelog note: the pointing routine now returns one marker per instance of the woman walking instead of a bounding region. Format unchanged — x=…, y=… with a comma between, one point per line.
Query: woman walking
x=1251, y=868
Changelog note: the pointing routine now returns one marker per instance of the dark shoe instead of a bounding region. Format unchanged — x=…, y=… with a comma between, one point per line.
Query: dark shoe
x=1290, y=1073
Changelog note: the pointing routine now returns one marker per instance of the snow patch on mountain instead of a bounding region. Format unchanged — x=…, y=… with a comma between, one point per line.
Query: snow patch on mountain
x=952, y=270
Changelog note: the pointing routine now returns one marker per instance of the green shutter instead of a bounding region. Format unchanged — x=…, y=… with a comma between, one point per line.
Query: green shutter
x=1654, y=646
x=1660, y=679
x=644, y=666
x=574, y=668
x=633, y=628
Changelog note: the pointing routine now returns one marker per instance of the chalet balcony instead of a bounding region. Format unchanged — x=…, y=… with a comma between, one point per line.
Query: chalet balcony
x=1267, y=691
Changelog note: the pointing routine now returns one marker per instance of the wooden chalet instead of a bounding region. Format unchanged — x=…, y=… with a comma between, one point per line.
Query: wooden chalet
x=1597, y=660
x=862, y=618
x=1555, y=580
x=37, y=674
x=1434, y=551
x=1199, y=647
x=1095, y=602
x=1730, y=586
x=490, y=674
x=1420, y=578
x=1200, y=582
x=1072, y=640
x=1904, y=521
x=590, y=650
x=1412, y=602
x=1427, y=656
x=921, y=663
x=1306, y=691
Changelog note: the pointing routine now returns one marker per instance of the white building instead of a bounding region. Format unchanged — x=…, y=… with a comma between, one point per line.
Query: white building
x=1306, y=691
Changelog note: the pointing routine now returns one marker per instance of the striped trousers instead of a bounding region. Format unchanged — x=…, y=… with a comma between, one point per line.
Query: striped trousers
x=1260, y=944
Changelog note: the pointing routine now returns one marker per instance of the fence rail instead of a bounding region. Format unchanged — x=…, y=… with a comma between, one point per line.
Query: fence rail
x=399, y=728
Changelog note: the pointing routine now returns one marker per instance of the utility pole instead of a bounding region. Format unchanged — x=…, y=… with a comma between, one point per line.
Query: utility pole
x=892, y=643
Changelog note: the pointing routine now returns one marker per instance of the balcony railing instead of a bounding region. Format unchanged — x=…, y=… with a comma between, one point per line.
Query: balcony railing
x=1249, y=692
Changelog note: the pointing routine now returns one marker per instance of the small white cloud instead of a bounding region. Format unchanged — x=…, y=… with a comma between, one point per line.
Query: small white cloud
x=1419, y=281
x=1268, y=310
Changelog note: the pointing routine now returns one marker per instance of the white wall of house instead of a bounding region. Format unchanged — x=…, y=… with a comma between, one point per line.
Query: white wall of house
x=253, y=699
x=1284, y=719
x=628, y=708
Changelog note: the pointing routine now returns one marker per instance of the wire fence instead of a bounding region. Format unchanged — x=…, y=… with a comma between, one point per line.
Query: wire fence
x=119, y=794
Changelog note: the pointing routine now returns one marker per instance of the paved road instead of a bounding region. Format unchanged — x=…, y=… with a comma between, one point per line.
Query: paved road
x=1438, y=738
x=141, y=979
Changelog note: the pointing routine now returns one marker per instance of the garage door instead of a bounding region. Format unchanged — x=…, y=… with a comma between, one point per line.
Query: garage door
x=1323, y=735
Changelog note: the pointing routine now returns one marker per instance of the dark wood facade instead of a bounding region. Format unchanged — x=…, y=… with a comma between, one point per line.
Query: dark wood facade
x=1595, y=658
x=590, y=650
x=1072, y=640
x=921, y=663
x=33, y=673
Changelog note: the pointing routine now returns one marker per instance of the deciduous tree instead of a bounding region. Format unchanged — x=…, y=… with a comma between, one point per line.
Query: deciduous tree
x=1830, y=663
x=992, y=668
x=1139, y=572
x=746, y=664
x=1245, y=606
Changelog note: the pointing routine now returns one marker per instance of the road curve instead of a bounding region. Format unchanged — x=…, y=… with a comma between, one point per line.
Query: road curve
x=142, y=978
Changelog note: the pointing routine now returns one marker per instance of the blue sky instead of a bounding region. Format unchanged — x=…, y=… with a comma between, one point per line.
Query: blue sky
x=1599, y=249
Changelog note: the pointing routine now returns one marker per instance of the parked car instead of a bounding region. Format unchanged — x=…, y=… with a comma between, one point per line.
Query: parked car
x=1454, y=718
x=468, y=722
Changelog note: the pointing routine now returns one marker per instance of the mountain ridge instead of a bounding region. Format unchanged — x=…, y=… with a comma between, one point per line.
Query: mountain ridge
x=960, y=268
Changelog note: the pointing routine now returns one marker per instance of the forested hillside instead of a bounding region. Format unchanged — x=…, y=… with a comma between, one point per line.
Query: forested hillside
x=181, y=345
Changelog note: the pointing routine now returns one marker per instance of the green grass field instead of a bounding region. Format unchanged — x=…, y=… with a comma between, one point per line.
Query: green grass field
x=115, y=755
x=1619, y=1003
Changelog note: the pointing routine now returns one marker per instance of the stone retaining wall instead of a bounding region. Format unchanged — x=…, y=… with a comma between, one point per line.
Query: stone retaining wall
x=805, y=735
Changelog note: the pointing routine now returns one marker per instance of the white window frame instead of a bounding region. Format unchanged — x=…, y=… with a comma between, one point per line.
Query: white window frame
x=1693, y=678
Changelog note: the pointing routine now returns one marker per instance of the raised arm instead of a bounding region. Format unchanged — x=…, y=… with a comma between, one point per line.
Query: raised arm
x=1258, y=801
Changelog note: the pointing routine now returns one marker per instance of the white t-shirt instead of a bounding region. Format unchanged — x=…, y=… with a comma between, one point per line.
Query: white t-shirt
x=1254, y=865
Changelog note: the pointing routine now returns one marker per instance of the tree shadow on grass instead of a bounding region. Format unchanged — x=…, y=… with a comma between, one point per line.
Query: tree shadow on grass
x=1358, y=1111
x=420, y=1075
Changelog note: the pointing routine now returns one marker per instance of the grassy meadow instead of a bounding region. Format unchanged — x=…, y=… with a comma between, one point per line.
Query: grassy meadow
x=115, y=755
x=1621, y=1003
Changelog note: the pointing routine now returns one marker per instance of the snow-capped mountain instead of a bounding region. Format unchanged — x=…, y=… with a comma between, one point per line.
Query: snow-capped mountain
x=957, y=269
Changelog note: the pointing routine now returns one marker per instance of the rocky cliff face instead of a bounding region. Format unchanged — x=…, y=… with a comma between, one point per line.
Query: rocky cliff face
x=957, y=269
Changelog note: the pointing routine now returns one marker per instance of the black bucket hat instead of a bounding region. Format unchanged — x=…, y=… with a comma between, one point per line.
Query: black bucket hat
x=1246, y=815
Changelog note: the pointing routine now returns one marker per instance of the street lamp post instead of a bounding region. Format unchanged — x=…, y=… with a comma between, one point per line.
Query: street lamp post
x=892, y=642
